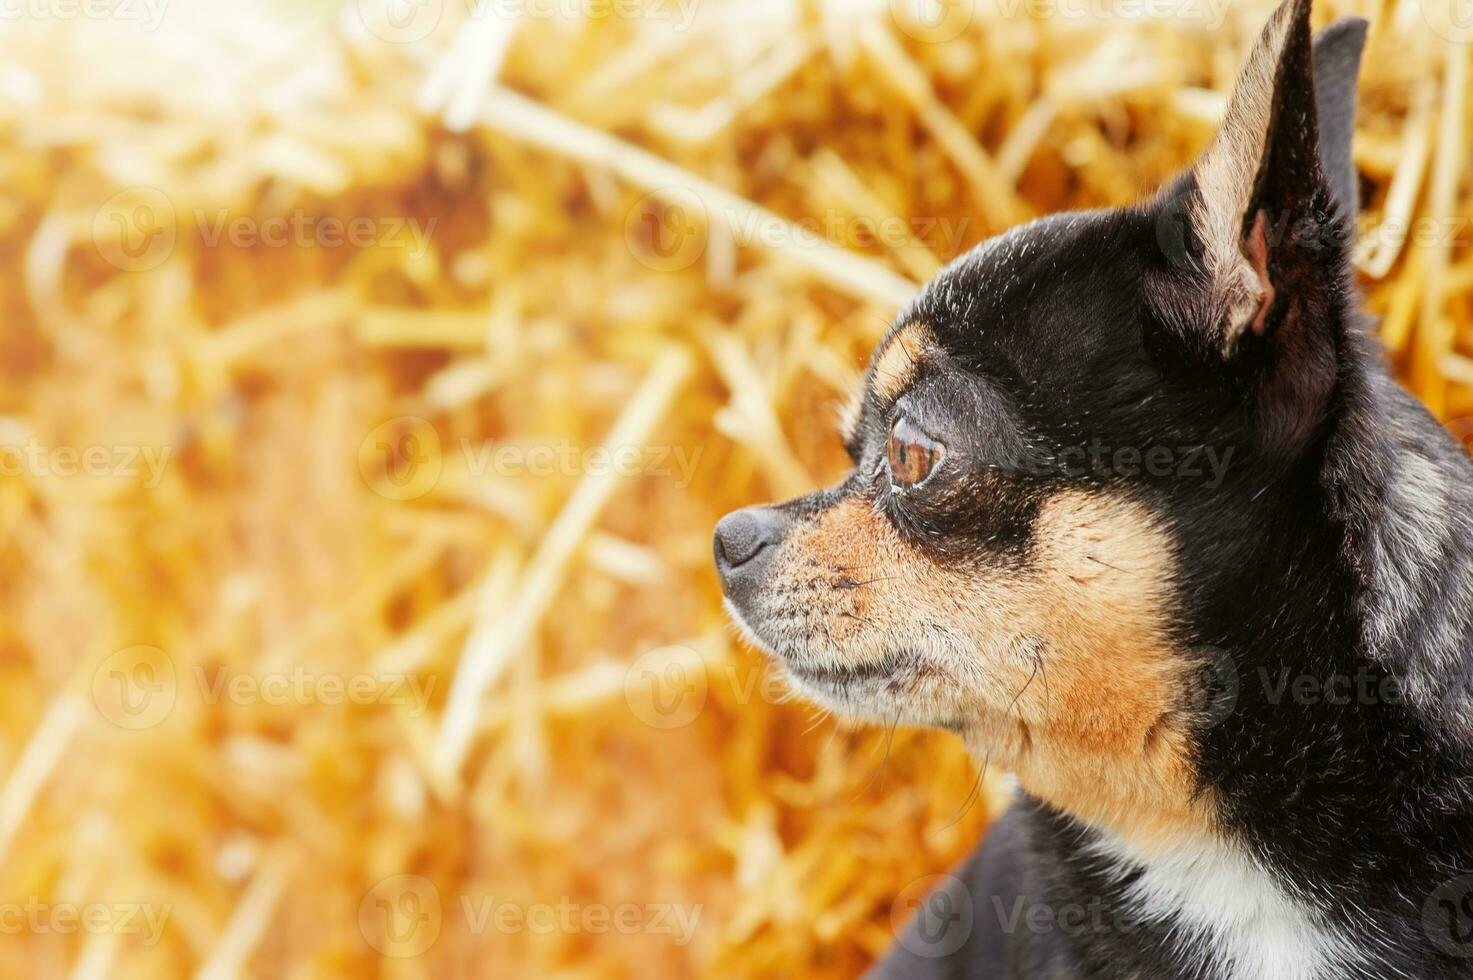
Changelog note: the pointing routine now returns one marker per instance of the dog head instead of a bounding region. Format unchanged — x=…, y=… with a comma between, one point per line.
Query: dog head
x=1056, y=436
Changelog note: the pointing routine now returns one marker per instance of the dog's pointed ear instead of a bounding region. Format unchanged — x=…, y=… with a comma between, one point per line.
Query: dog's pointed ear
x=1260, y=173
x=1257, y=226
x=1337, y=51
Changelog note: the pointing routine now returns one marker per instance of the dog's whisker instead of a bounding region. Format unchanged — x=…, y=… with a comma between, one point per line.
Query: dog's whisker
x=975, y=793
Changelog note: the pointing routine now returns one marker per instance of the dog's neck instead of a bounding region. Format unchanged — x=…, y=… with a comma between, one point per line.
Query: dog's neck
x=1362, y=590
x=1378, y=591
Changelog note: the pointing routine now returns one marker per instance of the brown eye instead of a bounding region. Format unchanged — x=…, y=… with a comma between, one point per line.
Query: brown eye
x=912, y=454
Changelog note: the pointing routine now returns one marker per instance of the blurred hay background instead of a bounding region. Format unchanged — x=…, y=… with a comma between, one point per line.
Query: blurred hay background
x=374, y=460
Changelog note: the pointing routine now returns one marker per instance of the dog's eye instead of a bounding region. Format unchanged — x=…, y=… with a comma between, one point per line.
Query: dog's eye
x=912, y=454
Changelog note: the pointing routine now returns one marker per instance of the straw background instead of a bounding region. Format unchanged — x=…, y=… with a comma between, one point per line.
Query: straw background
x=592, y=271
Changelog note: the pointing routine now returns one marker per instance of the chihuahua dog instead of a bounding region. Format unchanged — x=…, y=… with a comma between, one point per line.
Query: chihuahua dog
x=1137, y=509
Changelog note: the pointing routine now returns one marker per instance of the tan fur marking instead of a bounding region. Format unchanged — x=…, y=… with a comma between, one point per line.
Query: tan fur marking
x=1257, y=254
x=1060, y=670
x=895, y=365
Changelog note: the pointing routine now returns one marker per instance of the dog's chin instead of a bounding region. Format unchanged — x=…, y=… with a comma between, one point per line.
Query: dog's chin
x=862, y=696
x=894, y=690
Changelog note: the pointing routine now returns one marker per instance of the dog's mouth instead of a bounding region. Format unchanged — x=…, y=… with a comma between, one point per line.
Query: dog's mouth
x=839, y=675
x=900, y=687
x=881, y=689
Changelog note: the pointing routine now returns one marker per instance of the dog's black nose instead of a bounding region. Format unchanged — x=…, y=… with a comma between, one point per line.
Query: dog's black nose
x=746, y=540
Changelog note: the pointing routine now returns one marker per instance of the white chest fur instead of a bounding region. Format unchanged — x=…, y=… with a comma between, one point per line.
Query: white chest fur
x=1237, y=916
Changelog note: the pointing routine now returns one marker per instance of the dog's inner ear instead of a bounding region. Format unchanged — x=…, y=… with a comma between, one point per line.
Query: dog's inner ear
x=1268, y=209
x=1259, y=181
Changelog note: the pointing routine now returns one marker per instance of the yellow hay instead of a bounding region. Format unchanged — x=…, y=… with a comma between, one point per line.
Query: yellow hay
x=379, y=635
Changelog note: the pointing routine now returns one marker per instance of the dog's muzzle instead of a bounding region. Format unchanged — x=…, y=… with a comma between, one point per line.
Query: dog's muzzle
x=745, y=542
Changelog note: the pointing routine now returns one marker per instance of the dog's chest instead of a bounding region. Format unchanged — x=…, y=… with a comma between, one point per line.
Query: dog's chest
x=1228, y=914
